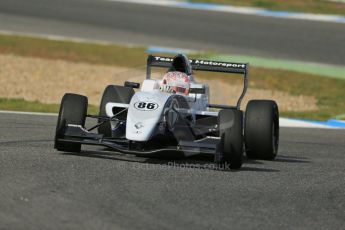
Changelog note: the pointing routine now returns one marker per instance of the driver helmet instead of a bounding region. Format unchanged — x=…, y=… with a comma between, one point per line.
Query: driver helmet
x=175, y=82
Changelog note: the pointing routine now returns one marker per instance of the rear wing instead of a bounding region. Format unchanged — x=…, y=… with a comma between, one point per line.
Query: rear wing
x=204, y=65
x=200, y=65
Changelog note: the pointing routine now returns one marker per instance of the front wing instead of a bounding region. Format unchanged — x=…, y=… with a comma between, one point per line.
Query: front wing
x=77, y=134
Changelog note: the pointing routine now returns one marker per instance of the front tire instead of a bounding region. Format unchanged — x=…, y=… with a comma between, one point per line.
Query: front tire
x=230, y=124
x=117, y=94
x=73, y=110
x=262, y=129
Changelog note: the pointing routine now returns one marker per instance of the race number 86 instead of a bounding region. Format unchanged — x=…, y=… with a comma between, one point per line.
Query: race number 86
x=145, y=105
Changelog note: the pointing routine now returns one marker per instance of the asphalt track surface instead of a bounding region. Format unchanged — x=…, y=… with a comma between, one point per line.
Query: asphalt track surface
x=194, y=29
x=41, y=188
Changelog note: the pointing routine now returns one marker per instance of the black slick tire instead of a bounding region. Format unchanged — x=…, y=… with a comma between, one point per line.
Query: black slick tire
x=73, y=110
x=262, y=129
x=117, y=94
x=230, y=124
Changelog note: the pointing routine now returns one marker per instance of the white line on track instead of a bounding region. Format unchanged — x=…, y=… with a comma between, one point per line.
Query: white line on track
x=284, y=122
x=28, y=113
x=239, y=10
x=62, y=38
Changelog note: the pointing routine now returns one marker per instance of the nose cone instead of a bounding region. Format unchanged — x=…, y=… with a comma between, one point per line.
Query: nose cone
x=144, y=113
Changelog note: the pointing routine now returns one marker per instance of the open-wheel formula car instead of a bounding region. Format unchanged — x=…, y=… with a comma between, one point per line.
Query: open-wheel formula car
x=173, y=116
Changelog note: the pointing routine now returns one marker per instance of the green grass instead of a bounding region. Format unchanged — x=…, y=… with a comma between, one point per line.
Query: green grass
x=329, y=92
x=73, y=51
x=309, y=6
x=323, y=70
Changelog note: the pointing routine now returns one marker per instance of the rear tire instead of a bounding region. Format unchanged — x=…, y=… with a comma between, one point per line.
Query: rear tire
x=73, y=110
x=262, y=129
x=230, y=124
x=117, y=94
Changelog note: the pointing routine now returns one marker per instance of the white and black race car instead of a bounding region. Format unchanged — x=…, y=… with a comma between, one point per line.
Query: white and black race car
x=173, y=116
